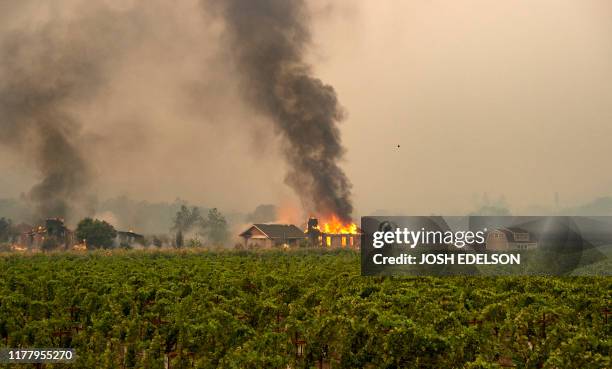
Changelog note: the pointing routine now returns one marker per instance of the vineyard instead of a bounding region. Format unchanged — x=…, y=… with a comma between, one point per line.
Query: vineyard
x=302, y=309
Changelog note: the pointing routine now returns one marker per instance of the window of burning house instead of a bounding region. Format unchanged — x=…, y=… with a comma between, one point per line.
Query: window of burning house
x=328, y=240
x=344, y=241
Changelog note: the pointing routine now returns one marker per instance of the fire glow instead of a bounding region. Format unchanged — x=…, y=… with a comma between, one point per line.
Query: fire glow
x=333, y=232
x=336, y=226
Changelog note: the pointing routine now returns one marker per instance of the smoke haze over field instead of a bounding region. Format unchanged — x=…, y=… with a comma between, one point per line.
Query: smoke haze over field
x=53, y=64
x=88, y=106
x=41, y=71
x=157, y=100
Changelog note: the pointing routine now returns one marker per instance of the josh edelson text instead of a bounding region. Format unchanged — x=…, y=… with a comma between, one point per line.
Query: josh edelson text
x=411, y=239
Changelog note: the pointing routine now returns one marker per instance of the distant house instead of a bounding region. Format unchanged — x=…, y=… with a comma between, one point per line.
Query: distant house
x=269, y=235
x=54, y=230
x=128, y=238
x=503, y=239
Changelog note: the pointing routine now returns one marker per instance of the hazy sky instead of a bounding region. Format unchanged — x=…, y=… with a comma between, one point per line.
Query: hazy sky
x=509, y=98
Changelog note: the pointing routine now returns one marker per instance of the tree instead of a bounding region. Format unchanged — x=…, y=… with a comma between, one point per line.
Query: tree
x=214, y=227
x=5, y=229
x=179, y=239
x=96, y=233
x=185, y=219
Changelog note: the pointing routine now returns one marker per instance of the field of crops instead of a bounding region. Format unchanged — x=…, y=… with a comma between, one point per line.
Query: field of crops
x=294, y=309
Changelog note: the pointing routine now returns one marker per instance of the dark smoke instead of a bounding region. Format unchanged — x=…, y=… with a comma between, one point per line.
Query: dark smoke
x=38, y=77
x=66, y=175
x=45, y=70
x=268, y=40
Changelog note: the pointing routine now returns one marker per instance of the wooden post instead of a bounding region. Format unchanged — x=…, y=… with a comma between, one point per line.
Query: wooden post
x=606, y=312
x=543, y=321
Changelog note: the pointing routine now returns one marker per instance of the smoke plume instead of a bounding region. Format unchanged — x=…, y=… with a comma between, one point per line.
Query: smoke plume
x=268, y=40
x=44, y=70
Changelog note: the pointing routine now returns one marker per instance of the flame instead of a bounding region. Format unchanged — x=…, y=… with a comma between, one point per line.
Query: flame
x=336, y=226
x=19, y=248
x=80, y=247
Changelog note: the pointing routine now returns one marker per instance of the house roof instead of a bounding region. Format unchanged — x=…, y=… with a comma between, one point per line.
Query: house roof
x=129, y=234
x=276, y=231
x=510, y=232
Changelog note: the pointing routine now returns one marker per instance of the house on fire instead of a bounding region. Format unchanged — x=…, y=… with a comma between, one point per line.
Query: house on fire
x=318, y=237
x=502, y=239
x=269, y=235
x=53, y=231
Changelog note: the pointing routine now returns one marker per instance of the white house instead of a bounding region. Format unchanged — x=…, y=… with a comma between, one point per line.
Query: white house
x=503, y=239
x=269, y=235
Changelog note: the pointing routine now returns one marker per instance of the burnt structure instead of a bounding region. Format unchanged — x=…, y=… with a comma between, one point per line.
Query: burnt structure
x=313, y=232
x=318, y=237
x=54, y=232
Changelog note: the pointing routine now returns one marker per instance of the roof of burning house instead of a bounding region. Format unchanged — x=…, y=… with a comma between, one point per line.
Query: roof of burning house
x=279, y=231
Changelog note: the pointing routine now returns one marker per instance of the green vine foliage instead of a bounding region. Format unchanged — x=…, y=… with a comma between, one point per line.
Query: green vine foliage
x=196, y=309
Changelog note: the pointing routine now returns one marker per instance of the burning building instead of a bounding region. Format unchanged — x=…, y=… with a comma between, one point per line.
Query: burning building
x=53, y=232
x=55, y=235
x=333, y=234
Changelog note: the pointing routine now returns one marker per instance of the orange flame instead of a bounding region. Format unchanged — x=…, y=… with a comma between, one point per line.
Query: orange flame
x=19, y=248
x=336, y=226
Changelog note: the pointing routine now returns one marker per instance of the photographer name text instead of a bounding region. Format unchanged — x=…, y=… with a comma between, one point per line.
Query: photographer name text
x=448, y=259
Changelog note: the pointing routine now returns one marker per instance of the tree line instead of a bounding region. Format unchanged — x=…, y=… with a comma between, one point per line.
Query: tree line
x=213, y=227
x=189, y=229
